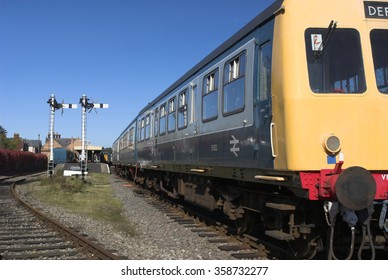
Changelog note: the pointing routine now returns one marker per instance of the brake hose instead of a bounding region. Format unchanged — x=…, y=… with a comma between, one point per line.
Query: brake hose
x=366, y=230
x=331, y=255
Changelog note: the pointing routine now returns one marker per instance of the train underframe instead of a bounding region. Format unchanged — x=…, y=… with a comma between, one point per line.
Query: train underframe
x=282, y=215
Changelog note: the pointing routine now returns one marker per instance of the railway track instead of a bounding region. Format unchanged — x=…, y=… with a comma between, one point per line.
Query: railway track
x=239, y=246
x=27, y=233
x=224, y=236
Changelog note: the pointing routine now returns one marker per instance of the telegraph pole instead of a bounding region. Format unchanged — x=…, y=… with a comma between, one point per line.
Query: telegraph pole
x=54, y=105
x=86, y=105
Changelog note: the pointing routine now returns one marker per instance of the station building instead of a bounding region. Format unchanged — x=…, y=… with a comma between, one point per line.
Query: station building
x=69, y=149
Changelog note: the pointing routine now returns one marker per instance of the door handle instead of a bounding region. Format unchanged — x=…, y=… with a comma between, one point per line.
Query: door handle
x=272, y=132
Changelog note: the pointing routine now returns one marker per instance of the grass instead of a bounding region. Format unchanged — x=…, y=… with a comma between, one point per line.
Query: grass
x=93, y=198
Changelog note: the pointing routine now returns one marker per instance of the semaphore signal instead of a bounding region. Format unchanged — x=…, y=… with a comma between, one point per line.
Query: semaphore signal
x=87, y=106
x=54, y=105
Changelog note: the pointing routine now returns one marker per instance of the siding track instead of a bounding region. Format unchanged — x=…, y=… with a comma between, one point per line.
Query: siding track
x=26, y=233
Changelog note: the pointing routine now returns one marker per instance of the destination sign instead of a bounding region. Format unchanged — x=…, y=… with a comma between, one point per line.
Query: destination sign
x=376, y=9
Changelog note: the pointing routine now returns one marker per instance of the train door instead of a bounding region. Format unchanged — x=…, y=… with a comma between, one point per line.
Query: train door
x=193, y=114
x=155, y=129
x=193, y=120
x=265, y=152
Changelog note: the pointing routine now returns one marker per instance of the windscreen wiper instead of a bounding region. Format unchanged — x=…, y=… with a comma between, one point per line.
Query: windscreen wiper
x=326, y=39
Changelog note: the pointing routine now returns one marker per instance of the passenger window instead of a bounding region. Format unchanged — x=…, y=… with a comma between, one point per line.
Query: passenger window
x=210, y=97
x=234, y=85
x=141, y=130
x=171, y=115
x=122, y=142
x=130, y=142
x=182, y=110
x=379, y=41
x=125, y=139
x=162, y=120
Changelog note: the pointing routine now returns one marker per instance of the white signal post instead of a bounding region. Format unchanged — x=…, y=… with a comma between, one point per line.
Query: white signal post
x=86, y=105
x=54, y=105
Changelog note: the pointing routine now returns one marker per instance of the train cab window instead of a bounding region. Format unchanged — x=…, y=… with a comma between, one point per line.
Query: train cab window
x=334, y=60
x=182, y=109
x=171, y=115
x=162, y=120
x=210, y=97
x=234, y=85
x=379, y=41
x=147, y=127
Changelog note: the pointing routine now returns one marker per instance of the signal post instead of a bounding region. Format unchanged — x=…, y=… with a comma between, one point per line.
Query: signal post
x=54, y=105
x=86, y=106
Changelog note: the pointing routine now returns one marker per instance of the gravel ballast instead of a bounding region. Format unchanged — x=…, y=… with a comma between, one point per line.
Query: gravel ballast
x=157, y=236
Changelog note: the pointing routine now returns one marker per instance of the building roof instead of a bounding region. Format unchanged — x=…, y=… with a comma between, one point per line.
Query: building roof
x=33, y=143
x=64, y=142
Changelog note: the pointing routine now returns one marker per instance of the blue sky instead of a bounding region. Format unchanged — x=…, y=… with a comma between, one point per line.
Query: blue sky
x=120, y=52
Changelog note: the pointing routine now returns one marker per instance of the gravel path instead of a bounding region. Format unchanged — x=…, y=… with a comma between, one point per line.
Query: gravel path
x=157, y=238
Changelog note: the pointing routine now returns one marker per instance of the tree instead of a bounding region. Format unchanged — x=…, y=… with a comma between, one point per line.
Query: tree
x=3, y=138
x=14, y=144
x=5, y=143
x=3, y=130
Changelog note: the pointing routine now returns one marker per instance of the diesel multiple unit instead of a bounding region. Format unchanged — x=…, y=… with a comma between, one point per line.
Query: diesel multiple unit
x=281, y=129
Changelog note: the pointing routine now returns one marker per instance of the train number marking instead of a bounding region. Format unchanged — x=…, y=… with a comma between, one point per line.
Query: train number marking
x=384, y=177
x=214, y=148
x=234, y=149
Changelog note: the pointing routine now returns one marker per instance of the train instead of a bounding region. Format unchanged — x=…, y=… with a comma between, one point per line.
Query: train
x=281, y=130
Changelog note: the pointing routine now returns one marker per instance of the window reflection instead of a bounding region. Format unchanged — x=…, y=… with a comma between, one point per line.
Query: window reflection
x=379, y=41
x=335, y=66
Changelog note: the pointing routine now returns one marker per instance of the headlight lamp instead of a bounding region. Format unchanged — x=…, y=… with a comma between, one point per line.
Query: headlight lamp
x=332, y=145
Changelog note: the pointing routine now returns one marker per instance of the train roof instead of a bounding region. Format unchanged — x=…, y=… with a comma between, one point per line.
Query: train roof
x=261, y=19
x=126, y=128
